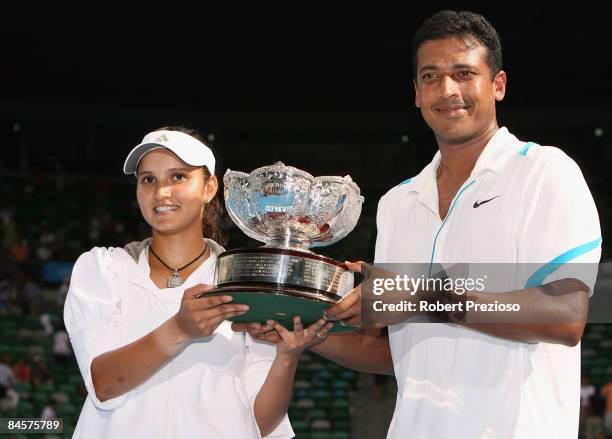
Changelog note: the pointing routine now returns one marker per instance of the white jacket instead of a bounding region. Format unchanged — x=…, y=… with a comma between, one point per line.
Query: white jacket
x=206, y=391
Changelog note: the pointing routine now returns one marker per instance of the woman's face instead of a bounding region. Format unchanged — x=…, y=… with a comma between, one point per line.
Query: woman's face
x=171, y=193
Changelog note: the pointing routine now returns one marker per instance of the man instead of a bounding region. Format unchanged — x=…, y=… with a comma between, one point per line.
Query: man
x=486, y=197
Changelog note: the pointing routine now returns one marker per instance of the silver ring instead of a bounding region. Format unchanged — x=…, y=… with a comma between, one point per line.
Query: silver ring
x=321, y=337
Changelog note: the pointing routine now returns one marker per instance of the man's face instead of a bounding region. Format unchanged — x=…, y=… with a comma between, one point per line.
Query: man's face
x=455, y=90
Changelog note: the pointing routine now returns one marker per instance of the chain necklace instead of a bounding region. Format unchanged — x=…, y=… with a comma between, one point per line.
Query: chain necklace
x=176, y=280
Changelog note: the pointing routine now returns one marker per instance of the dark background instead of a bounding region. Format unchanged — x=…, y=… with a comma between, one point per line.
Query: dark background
x=321, y=86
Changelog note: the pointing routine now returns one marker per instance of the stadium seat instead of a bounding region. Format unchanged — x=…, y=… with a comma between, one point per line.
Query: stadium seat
x=25, y=409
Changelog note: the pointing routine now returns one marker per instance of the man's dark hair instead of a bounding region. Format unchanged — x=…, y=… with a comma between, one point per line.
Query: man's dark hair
x=468, y=26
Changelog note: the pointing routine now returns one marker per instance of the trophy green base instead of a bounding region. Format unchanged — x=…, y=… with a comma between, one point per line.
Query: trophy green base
x=279, y=304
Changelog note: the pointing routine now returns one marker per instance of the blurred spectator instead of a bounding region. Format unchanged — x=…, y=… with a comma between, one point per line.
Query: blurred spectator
x=6, y=294
x=61, y=346
x=45, y=321
x=62, y=292
x=19, y=251
x=50, y=411
x=43, y=253
x=7, y=376
x=22, y=371
x=9, y=398
x=46, y=244
x=594, y=417
x=32, y=293
x=47, y=237
x=94, y=229
x=606, y=393
x=586, y=391
x=40, y=372
x=9, y=229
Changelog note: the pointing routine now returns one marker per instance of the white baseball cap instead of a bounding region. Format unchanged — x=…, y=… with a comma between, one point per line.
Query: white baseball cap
x=187, y=148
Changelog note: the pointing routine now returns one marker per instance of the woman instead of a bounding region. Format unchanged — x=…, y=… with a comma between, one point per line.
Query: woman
x=156, y=360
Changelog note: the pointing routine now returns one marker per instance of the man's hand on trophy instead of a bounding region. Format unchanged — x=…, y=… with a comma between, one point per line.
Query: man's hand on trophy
x=348, y=309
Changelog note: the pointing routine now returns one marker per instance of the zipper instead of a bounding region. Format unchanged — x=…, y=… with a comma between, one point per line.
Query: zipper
x=168, y=400
x=433, y=250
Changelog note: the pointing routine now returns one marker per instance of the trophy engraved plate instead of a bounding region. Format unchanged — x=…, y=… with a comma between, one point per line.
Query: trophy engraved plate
x=290, y=211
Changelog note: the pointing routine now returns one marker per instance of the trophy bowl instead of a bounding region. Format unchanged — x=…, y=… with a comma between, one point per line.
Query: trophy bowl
x=290, y=211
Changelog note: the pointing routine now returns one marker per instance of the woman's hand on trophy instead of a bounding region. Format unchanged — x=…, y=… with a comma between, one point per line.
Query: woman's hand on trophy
x=259, y=331
x=348, y=309
x=291, y=344
x=199, y=316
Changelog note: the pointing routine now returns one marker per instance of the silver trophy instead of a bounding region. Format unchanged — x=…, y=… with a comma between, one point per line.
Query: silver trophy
x=291, y=212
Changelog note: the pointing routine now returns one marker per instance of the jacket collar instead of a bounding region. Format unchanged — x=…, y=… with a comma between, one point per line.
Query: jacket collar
x=491, y=159
x=126, y=262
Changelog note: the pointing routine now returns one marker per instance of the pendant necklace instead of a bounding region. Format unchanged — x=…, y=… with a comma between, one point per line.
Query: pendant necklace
x=176, y=280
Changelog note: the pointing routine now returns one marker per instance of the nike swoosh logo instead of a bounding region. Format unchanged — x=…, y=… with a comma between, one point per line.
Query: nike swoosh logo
x=477, y=204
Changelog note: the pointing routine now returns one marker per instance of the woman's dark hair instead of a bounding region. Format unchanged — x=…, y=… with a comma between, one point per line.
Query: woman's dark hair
x=213, y=210
x=468, y=26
